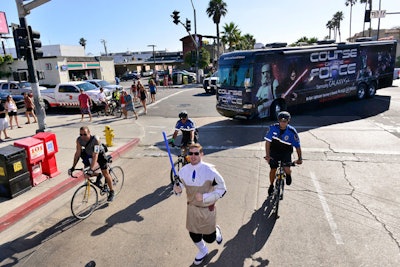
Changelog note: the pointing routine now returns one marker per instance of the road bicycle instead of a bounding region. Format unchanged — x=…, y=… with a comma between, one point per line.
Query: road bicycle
x=86, y=198
x=182, y=160
x=115, y=108
x=279, y=187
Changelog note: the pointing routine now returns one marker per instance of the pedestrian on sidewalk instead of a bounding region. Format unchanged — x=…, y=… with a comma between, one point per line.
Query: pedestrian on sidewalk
x=153, y=90
x=3, y=122
x=142, y=95
x=12, y=110
x=85, y=104
x=30, y=108
x=134, y=90
x=91, y=151
x=204, y=186
x=129, y=105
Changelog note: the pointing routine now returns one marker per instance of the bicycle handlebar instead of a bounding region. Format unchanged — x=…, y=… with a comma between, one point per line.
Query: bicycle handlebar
x=84, y=170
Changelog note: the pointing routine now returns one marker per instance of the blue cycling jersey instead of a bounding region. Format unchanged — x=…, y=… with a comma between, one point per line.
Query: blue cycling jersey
x=189, y=125
x=282, y=141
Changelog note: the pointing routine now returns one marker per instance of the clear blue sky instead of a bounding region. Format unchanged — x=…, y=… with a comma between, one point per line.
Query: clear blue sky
x=134, y=24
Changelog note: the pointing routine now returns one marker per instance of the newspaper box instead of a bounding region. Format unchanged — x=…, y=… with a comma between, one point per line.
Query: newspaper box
x=14, y=175
x=49, y=163
x=34, y=157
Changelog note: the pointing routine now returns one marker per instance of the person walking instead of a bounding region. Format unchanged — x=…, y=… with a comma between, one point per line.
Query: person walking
x=142, y=95
x=30, y=107
x=12, y=110
x=3, y=122
x=153, y=90
x=279, y=143
x=204, y=186
x=129, y=105
x=134, y=90
x=85, y=103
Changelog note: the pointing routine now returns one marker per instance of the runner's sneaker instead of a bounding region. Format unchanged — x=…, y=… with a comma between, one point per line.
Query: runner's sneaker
x=219, y=235
x=288, y=179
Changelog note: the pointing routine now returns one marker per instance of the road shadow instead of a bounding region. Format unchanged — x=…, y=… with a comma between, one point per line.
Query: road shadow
x=9, y=252
x=132, y=212
x=249, y=239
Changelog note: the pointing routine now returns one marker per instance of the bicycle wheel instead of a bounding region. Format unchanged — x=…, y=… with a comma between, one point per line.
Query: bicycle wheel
x=178, y=165
x=277, y=196
x=84, y=201
x=117, y=175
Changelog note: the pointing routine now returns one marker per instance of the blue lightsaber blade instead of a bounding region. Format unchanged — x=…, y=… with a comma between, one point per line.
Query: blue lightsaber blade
x=169, y=153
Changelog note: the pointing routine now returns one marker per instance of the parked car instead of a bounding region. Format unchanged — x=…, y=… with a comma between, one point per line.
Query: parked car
x=396, y=73
x=147, y=73
x=18, y=99
x=102, y=83
x=130, y=76
x=17, y=88
x=210, y=84
x=190, y=76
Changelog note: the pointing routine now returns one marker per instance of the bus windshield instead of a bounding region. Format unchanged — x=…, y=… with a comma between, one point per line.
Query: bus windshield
x=236, y=76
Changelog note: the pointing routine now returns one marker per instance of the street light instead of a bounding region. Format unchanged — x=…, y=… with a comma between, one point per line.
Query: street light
x=154, y=57
x=197, y=43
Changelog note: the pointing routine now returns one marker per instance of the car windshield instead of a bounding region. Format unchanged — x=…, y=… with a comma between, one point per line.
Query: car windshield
x=24, y=84
x=103, y=83
x=86, y=86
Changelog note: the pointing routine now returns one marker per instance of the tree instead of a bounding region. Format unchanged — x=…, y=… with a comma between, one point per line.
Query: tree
x=350, y=3
x=337, y=18
x=246, y=42
x=204, y=58
x=7, y=59
x=82, y=42
x=330, y=27
x=216, y=9
x=231, y=35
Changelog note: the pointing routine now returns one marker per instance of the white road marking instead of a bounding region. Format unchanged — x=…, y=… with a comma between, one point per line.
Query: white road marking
x=327, y=211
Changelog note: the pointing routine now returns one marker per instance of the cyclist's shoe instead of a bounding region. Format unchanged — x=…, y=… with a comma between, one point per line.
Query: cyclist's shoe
x=288, y=179
x=270, y=189
x=98, y=180
x=219, y=235
x=111, y=196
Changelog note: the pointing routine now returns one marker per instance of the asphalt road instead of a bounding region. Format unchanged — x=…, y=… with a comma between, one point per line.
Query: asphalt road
x=342, y=208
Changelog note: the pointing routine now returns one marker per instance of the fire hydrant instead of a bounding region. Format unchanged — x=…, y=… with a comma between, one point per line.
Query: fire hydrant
x=109, y=134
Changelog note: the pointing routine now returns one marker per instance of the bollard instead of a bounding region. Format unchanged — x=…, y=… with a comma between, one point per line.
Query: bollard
x=109, y=134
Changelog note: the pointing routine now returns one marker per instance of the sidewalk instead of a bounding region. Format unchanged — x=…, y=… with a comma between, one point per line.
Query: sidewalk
x=66, y=129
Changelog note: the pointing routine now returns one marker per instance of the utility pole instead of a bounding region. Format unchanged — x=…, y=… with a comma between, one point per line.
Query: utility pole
x=154, y=58
x=197, y=43
x=24, y=10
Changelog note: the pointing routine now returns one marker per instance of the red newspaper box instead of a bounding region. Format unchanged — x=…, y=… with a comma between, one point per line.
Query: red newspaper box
x=49, y=164
x=34, y=157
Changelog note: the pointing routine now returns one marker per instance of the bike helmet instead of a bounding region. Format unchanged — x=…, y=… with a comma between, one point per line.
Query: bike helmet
x=183, y=115
x=284, y=115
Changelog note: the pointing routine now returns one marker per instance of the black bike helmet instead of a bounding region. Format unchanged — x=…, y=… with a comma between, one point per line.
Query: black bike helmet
x=284, y=115
x=183, y=115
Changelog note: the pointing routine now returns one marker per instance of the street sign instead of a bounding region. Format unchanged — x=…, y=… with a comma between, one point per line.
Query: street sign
x=378, y=14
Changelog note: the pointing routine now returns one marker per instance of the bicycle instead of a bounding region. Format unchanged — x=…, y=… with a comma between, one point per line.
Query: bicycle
x=182, y=160
x=279, y=187
x=86, y=198
x=115, y=108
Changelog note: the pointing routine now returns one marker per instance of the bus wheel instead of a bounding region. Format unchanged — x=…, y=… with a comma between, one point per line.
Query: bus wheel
x=276, y=107
x=361, y=91
x=371, y=90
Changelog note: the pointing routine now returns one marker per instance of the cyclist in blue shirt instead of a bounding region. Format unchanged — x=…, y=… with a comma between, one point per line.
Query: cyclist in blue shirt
x=188, y=128
x=279, y=143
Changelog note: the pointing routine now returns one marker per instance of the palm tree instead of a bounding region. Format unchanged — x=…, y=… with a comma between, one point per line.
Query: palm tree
x=330, y=27
x=337, y=18
x=216, y=9
x=82, y=42
x=246, y=42
x=350, y=3
x=231, y=35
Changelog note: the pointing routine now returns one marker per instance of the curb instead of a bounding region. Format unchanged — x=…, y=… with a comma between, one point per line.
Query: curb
x=14, y=216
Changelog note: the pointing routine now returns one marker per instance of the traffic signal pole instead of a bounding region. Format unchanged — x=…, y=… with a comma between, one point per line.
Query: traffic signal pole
x=39, y=107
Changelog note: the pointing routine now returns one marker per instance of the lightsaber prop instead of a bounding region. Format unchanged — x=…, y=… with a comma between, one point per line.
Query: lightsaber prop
x=170, y=158
x=295, y=83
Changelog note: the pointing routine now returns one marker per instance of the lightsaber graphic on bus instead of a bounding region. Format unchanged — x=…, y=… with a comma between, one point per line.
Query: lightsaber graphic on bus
x=296, y=82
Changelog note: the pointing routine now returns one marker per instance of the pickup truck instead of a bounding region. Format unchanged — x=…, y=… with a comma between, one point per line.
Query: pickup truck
x=66, y=94
x=17, y=88
x=210, y=84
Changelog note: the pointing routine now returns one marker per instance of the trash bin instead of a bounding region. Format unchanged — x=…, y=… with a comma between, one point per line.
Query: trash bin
x=35, y=154
x=49, y=163
x=14, y=175
x=185, y=79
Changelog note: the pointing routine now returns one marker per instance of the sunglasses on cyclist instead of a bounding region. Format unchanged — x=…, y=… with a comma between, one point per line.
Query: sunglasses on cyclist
x=83, y=134
x=193, y=153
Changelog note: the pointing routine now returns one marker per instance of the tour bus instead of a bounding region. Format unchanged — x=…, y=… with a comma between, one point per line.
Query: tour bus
x=260, y=83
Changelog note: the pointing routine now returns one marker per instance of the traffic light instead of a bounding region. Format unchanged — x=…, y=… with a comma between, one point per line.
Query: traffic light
x=176, y=16
x=21, y=41
x=188, y=26
x=36, y=43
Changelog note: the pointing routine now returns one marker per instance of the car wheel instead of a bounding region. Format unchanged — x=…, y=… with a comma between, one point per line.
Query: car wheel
x=371, y=90
x=361, y=91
